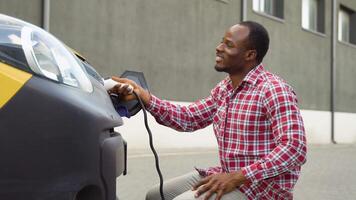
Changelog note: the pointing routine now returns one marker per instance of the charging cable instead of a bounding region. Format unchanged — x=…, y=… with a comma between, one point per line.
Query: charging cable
x=108, y=84
x=151, y=146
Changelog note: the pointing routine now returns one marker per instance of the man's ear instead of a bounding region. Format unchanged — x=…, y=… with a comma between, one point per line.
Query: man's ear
x=250, y=55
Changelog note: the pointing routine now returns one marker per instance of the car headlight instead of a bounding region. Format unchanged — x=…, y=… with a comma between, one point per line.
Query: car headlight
x=49, y=57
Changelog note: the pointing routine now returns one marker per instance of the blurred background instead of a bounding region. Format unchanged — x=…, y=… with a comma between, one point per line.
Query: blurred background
x=312, y=46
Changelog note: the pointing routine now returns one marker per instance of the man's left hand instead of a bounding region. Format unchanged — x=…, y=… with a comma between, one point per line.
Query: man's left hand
x=220, y=184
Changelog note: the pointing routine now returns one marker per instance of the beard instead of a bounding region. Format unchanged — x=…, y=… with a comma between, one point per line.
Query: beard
x=220, y=69
x=228, y=69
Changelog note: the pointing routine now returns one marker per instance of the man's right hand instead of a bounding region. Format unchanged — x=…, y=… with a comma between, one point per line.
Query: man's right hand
x=126, y=94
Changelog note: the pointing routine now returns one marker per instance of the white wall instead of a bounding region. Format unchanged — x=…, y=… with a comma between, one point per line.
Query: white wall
x=317, y=125
x=345, y=127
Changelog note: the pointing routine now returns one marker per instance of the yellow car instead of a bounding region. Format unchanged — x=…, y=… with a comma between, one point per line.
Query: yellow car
x=57, y=138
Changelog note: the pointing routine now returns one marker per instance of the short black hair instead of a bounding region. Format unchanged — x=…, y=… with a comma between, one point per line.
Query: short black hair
x=258, y=38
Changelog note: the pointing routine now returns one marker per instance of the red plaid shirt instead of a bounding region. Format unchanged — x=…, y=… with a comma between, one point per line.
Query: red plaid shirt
x=258, y=128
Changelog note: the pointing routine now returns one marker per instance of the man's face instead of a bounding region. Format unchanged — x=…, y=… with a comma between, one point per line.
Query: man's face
x=230, y=53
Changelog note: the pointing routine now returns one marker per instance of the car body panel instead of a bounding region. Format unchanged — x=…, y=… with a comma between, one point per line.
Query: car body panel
x=11, y=81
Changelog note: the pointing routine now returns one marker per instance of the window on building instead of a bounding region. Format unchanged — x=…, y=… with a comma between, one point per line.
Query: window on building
x=270, y=7
x=313, y=15
x=347, y=25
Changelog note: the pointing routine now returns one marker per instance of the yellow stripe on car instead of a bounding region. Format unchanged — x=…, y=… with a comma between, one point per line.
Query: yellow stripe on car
x=11, y=81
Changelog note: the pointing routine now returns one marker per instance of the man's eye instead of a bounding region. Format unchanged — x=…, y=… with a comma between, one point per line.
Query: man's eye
x=229, y=44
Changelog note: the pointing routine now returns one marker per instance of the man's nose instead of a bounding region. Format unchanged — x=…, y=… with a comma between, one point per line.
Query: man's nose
x=220, y=47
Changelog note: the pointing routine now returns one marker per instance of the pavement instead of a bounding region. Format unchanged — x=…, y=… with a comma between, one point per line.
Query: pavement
x=329, y=174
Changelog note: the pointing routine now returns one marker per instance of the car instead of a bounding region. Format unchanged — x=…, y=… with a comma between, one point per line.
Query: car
x=57, y=137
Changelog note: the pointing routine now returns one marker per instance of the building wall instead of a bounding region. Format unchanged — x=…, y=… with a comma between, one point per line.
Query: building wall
x=173, y=42
x=30, y=11
x=345, y=97
x=345, y=92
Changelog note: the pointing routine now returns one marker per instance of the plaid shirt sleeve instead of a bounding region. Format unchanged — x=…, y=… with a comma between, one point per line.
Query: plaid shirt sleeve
x=288, y=131
x=183, y=118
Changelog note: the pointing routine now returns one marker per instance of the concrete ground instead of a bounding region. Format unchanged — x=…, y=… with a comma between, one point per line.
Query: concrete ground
x=329, y=174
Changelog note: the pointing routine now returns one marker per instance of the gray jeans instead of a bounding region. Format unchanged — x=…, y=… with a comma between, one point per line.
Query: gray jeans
x=179, y=188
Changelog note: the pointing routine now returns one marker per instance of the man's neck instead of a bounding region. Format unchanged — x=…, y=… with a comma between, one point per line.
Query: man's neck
x=239, y=76
x=236, y=79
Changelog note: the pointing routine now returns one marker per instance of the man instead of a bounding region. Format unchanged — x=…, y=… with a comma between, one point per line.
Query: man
x=256, y=120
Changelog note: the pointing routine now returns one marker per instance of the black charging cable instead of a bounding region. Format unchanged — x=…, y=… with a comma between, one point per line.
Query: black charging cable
x=151, y=146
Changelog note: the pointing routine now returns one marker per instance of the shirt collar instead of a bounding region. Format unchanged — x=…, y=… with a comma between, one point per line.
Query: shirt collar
x=252, y=76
